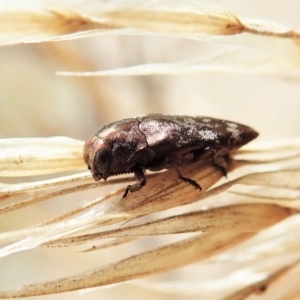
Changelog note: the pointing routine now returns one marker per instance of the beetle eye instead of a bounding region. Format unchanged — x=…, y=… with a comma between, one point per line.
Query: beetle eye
x=102, y=161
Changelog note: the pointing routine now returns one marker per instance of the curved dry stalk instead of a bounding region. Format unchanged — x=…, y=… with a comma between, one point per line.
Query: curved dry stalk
x=152, y=262
x=41, y=198
x=241, y=218
x=78, y=188
x=273, y=44
x=249, y=280
x=113, y=243
x=39, y=156
x=181, y=17
x=18, y=188
x=260, y=286
x=25, y=26
x=163, y=191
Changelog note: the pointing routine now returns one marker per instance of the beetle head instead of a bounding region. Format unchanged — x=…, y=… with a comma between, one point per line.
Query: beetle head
x=97, y=156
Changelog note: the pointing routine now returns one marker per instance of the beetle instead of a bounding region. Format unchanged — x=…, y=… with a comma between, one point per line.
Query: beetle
x=157, y=142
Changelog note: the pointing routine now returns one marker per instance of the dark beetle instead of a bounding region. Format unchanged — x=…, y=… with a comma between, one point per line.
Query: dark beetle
x=157, y=142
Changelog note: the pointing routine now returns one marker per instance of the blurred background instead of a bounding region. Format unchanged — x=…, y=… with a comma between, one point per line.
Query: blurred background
x=35, y=102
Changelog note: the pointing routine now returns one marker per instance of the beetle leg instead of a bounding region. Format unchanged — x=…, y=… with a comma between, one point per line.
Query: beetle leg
x=215, y=163
x=140, y=177
x=188, y=180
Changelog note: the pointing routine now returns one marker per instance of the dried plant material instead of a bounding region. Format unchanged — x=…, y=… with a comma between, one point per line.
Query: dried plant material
x=247, y=46
x=39, y=156
x=259, y=287
x=277, y=241
x=271, y=146
x=21, y=26
x=241, y=218
x=42, y=234
x=77, y=20
x=265, y=55
x=188, y=17
x=162, y=192
x=113, y=243
x=13, y=189
x=287, y=278
x=39, y=199
x=270, y=29
x=151, y=262
x=253, y=279
x=177, y=17
x=224, y=226
x=282, y=179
